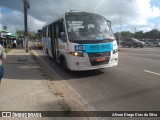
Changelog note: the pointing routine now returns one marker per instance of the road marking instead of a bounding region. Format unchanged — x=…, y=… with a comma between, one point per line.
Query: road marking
x=139, y=54
x=151, y=72
x=142, y=49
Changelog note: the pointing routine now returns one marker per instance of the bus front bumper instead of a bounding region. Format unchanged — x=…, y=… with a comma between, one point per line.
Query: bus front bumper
x=84, y=64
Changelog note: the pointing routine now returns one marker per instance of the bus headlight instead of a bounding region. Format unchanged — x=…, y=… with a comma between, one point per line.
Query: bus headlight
x=76, y=54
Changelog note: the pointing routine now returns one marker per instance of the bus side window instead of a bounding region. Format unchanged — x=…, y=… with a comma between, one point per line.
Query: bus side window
x=47, y=32
x=62, y=34
x=50, y=31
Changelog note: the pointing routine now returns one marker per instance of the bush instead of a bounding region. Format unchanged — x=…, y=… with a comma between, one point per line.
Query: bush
x=7, y=50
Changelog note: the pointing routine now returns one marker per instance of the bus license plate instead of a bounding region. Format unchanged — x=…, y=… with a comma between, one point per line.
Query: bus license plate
x=100, y=59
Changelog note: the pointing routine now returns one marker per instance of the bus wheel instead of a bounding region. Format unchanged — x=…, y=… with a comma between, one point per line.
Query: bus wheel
x=64, y=65
x=46, y=51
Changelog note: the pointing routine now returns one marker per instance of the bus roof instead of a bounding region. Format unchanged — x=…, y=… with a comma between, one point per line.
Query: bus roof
x=74, y=13
x=71, y=13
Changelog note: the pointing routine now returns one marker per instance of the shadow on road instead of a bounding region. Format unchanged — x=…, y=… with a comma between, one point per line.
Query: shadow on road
x=55, y=67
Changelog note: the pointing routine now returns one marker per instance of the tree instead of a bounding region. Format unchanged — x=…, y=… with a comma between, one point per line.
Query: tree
x=31, y=35
x=20, y=32
x=151, y=35
x=139, y=35
x=117, y=36
x=126, y=34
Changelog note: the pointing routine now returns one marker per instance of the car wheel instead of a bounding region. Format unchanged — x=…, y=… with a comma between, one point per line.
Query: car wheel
x=135, y=45
x=141, y=46
x=123, y=45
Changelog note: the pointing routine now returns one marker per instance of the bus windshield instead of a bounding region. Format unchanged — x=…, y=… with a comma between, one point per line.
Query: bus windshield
x=88, y=27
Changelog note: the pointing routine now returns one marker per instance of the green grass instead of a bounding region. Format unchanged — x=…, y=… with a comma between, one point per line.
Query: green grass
x=66, y=109
x=6, y=50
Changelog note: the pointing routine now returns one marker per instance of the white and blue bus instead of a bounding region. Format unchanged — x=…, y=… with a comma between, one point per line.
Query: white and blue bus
x=80, y=41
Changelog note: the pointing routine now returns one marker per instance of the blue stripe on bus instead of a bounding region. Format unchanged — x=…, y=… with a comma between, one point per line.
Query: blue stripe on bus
x=89, y=48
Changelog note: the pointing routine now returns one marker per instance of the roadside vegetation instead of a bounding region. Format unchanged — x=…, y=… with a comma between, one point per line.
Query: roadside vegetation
x=7, y=50
x=58, y=93
x=152, y=35
x=66, y=109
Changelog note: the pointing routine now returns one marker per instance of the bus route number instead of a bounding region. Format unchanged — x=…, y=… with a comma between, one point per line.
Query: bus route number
x=80, y=48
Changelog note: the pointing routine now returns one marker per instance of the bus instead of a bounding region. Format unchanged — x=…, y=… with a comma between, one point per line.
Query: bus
x=39, y=39
x=80, y=40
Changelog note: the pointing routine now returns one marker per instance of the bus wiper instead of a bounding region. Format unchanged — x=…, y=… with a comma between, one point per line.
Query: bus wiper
x=82, y=41
x=93, y=41
x=108, y=39
x=104, y=40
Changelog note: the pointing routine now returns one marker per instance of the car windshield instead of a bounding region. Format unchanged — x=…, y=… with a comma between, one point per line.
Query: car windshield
x=136, y=40
x=88, y=27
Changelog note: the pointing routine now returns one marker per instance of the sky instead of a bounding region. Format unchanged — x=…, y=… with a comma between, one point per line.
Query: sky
x=125, y=15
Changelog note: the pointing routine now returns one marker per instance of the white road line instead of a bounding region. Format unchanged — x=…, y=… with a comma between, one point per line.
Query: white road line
x=151, y=72
x=143, y=49
x=139, y=54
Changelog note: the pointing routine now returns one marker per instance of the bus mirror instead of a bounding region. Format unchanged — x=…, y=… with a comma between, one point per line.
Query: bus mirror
x=109, y=23
x=63, y=36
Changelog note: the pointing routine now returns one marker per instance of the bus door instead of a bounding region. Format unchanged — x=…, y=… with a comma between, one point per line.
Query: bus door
x=49, y=44
x=58, y=29
x=53, y=43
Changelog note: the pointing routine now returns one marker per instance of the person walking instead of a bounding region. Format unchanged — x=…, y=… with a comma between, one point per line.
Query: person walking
x=2, y=57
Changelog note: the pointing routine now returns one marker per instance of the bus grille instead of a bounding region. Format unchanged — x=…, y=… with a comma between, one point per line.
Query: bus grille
x=94, y=56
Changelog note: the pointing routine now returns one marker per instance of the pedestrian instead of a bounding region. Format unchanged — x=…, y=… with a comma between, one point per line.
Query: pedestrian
x=14, y=43
x=2, y=57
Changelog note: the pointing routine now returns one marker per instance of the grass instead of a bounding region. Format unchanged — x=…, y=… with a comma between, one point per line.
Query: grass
x=7, y=50
x=58, y=93
x=66, y=109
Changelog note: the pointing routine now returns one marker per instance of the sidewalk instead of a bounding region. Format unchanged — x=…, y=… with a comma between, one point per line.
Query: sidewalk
x=24, y=87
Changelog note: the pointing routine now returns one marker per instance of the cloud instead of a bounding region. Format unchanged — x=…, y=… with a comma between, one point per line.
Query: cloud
x=15, y=21
x=134, y=12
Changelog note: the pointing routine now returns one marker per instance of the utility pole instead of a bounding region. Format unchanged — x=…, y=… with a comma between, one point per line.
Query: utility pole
x=26, y=7
x=135, y=30
x=0, y=20
x=120, y=22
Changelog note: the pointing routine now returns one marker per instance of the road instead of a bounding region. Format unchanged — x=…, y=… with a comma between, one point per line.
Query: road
x=133, y=85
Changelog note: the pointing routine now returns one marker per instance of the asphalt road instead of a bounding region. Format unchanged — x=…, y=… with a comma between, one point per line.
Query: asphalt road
x=133, y=85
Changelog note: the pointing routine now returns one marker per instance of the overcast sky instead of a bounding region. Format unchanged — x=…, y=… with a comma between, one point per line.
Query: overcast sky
x=140, y=14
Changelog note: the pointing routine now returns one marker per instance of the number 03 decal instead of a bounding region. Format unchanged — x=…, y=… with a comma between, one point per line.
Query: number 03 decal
x=80, y=48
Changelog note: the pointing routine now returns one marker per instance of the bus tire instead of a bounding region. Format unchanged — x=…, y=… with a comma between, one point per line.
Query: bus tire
x=48, y=54
x=46, y=51
x=64, y=64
